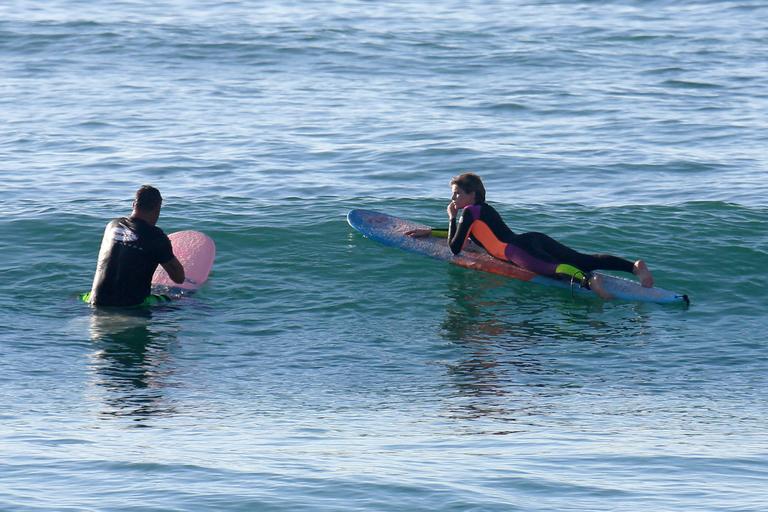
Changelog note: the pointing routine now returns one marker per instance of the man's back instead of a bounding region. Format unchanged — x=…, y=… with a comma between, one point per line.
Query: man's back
x=130, y=252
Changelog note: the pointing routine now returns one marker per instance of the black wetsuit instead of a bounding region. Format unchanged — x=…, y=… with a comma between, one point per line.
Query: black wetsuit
x=536, y=252
x=130, y=252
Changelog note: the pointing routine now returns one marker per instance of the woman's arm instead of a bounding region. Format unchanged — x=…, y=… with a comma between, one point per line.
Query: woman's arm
x=422, y=232
x=440, y=233
x=459, y=230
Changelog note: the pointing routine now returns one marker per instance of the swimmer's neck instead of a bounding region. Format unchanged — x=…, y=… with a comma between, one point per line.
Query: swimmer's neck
x=148, y=217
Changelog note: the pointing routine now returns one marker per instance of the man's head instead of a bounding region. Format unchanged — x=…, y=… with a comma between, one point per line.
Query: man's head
x=148, y=199
x=147, y=204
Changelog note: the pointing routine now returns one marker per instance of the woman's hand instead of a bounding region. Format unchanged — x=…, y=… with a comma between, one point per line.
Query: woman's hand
x=419, y=233
x=452, y=210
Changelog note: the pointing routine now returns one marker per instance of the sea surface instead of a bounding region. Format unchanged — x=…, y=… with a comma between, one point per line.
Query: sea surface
x=320, y=371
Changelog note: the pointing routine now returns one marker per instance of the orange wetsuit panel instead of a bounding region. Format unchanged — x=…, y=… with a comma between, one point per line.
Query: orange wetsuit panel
x=484, y=234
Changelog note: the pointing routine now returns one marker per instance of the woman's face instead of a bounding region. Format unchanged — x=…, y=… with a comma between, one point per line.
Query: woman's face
x=460, y=198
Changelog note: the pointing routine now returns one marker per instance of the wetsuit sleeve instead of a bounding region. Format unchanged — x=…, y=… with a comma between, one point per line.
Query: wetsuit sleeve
x=458, y=231
x=164, y=251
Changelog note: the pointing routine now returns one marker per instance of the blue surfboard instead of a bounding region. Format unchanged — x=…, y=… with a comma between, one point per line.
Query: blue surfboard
x=390, y=231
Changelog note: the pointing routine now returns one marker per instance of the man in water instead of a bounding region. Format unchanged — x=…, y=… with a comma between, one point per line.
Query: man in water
x=131, y=249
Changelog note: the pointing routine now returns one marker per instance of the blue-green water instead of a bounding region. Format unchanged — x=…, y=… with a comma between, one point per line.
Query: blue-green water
x=318, y=370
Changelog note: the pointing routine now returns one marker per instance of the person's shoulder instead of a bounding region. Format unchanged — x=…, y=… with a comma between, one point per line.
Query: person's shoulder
x=488, y=208
x=145, y=226
x=158, y=230
x=158, y=233
x=475, y=210
x=156, y=239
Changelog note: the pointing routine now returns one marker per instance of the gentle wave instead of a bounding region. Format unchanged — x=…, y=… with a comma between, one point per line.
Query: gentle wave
x=320, y=370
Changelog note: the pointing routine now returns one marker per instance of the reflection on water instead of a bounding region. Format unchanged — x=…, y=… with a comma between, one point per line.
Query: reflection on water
x=517, y=339
x=131, y=363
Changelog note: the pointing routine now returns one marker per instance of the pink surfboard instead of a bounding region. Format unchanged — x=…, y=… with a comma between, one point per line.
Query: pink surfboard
x=196, y=251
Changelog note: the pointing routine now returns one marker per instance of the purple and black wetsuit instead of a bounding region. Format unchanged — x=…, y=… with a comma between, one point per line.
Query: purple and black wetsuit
x=533, y=251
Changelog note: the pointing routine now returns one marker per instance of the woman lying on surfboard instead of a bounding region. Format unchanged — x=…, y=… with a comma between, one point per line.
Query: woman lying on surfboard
x=536, y=252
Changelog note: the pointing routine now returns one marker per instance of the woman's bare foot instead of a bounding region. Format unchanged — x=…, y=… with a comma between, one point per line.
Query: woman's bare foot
x=643, y=274
x=596, y=285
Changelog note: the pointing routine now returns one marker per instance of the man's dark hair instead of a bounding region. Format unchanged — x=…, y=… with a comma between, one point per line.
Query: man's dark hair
x=148, y=199
x=470, y=182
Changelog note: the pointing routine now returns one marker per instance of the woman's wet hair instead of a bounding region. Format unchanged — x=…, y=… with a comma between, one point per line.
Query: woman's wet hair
x=470, y=182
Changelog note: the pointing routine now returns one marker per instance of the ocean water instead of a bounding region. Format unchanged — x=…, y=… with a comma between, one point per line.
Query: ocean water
x=320, y=371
